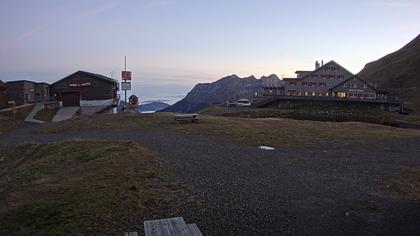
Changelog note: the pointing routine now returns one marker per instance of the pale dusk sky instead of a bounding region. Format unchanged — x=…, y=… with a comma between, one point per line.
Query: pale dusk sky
x=185, y=42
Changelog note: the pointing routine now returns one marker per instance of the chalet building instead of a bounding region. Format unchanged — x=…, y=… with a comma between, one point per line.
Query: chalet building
x=21, y=91
x=3, y=100
x=318, y=82
x=354, y=88
x=273, y=90
x=24, y=91
x=92, y=92
x=42, y=92
x=329, y=85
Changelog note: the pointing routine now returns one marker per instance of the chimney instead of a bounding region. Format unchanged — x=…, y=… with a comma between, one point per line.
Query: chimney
x=316, y=65
x=322, y=62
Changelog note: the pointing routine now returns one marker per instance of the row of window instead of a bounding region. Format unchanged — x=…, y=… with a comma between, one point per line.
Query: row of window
x=327, y=76
x=332, y=68
x=322, y=94
x=337, y=94
x=310, y=84
x=361, y=95
x=353, y=85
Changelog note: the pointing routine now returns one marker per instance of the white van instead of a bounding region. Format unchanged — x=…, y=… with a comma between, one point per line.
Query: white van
x=243, y=103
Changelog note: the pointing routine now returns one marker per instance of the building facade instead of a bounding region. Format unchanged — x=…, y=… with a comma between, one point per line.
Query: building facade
x=42, y=92
x=92, y=92
x=3, y=100
x=318, y=82
x=354, y=88
x=21, y=91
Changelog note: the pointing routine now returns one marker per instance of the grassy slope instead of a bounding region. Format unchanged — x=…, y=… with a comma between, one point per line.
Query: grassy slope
x=332, y=114
x=275, y=132
x=46, y=114
x=82, y=187
x=398, y=72
x=7, y=122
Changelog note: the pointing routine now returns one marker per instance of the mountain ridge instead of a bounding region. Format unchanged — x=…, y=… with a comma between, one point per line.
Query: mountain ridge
x=229, y=88
x=398, y=72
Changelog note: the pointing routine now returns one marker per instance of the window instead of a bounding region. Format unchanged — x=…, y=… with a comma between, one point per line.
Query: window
x=341, y=94
x=292, y=83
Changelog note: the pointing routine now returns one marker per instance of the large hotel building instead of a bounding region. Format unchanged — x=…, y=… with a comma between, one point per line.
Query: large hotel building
x=329, y=80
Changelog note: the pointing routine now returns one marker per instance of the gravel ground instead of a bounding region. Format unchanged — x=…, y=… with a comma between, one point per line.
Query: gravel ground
x=246, y=191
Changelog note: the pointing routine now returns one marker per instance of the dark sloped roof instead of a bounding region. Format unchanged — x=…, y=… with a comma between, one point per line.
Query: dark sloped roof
x=19, y=81
x=354, y=77
x=322, y=67
x=98, y=76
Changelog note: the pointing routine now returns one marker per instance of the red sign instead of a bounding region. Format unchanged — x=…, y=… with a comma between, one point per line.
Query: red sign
x=126, y=75
x=80, y=84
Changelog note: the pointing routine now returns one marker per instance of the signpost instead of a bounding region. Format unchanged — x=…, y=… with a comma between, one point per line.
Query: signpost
x=125, y=75
x=126, y=86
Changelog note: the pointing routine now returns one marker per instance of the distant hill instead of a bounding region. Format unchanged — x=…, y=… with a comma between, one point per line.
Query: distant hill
x=230, y=88
x=150, y=106
x=398, y=72
x=153, y=106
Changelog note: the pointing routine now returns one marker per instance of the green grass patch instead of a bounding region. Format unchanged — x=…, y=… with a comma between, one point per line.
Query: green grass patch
x=83, y=188
x=8, y=121
x=46, y=114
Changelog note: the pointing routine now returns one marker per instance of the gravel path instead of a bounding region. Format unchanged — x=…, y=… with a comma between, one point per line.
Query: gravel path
x=247, y=191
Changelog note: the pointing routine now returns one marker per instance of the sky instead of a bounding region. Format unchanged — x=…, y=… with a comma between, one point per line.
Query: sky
x=179, y=43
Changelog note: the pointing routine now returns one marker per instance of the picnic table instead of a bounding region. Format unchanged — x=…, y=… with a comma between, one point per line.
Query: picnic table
x=181, y=118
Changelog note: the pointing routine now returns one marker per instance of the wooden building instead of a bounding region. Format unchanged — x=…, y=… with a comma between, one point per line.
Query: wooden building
x=317, y=83
x=354, y=88
x=21, y=91
x=3, y=100
x=42, y=92
x=274, y=90
x=92, y=92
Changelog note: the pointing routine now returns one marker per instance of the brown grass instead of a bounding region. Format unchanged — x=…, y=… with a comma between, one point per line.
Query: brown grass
x=83, y=188
x=406, y=185
x=20, y=114
x=46, y=114
x=6, y=118
x=6, y=125
x=276, y=132
x=338, y=115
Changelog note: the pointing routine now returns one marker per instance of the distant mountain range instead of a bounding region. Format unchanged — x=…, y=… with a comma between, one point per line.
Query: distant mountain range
x=150, y=106
x=153, y=106
x=398, y=72
x=227, y=89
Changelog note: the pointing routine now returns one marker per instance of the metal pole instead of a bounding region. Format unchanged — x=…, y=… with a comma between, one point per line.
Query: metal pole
x=125, y=69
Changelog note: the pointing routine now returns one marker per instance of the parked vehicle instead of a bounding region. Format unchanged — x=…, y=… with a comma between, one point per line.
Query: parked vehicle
x=243, y=103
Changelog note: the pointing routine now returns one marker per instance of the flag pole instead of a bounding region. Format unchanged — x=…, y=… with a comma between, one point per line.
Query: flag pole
x=125, y=69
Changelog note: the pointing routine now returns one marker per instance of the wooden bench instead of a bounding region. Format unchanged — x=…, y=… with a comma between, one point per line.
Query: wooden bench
x=169, y=227
x=184, y=118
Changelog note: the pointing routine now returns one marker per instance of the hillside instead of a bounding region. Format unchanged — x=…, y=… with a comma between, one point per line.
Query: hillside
x=398, y=72
x=230, y=88
x=153, y=106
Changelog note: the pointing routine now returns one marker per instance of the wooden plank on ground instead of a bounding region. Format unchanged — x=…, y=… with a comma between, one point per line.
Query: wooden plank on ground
x=194, y=230
x=130, y=234
x=165, y=227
